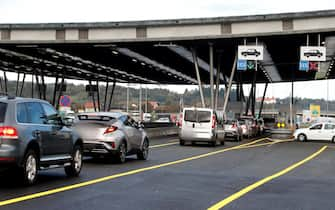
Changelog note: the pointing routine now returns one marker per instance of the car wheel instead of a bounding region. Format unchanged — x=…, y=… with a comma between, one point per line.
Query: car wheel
x=30, y=166
x=302, y=137
x=122, y=153
x=76, y=163
x=181, y=142
x=333, y=139
x=144, y=152
x=222, y=142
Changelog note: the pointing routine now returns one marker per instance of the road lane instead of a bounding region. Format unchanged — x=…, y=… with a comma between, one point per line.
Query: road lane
x=263, y=181
x=103, y=179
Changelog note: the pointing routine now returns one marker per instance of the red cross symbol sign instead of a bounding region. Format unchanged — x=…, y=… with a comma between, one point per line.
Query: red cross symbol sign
x=313, y=66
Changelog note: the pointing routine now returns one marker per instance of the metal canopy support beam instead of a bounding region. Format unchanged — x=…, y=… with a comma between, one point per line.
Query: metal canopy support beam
x=140, y=103
x=248, y=101
x=217, y=83
x=22, y=84
x=5, y=79
x=60, y=90
x=91, y=92
x=195, y=61
x=38, y=86
x=55, y=91
x=211, y=73
x=111, y=96
x=146, y=99
x=98, y=95
x=106, y=91
x=32, y=85
x=17, y=83
x=1, y=84
x=186, y=54
x=44, y=88
x=229, y=87
x=253, y=93
x=127, y=98
x=261, y=107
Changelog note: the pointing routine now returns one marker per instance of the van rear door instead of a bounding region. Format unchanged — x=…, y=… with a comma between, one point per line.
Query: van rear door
x=204, y=123
x=197, y=121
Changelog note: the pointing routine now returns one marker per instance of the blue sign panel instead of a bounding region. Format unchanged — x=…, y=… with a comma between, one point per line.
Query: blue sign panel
x=242, y=65
x=304, y=65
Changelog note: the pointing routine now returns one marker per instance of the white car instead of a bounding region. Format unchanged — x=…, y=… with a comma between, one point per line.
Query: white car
x=319, y=131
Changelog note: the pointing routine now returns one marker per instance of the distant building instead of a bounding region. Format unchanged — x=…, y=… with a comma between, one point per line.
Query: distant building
x=89, y=106
x=267, y=100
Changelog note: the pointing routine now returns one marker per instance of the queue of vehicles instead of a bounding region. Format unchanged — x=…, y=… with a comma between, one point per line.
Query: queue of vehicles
x=34, y=136
x=202, y=125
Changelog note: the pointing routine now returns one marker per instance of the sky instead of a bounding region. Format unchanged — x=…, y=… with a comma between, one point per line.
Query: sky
x=52, y=11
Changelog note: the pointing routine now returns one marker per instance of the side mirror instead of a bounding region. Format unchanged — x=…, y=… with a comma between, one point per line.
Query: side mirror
x=140, y=125
x=68, y=121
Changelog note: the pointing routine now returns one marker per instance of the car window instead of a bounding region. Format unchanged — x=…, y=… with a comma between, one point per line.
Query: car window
x=204, y=116
x=123, y=119
x=316, y=127
x=51, y=114
x=35, y=112
x=49, y=110
x=3, y=108
x=329, y=126
x=190, y=116
x=22, y=113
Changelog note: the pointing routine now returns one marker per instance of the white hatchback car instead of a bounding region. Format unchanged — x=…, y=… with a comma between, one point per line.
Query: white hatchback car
x=319, y=131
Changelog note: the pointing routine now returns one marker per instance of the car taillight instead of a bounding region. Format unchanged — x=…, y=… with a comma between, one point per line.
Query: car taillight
x=110, y=129
x=180, y=123
x=213, y=121
x=8, y=132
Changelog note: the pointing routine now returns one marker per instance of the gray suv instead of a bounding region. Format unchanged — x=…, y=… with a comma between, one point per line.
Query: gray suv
x=33, y=137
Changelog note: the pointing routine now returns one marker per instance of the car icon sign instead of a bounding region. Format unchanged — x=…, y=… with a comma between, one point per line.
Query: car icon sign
x=250, y=52
x=313, y=53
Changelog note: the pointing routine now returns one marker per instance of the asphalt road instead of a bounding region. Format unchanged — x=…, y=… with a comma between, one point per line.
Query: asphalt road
x=189, y=177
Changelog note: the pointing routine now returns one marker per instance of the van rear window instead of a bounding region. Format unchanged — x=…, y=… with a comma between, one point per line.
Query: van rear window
x=3, y=108
x=197, y=116
x=204, y=116
x=190, y=116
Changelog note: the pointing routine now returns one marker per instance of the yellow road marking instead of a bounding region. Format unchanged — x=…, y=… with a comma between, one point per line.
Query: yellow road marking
x=163, y=145
x=275, y=140
x=103, y=179
x=245, y=190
